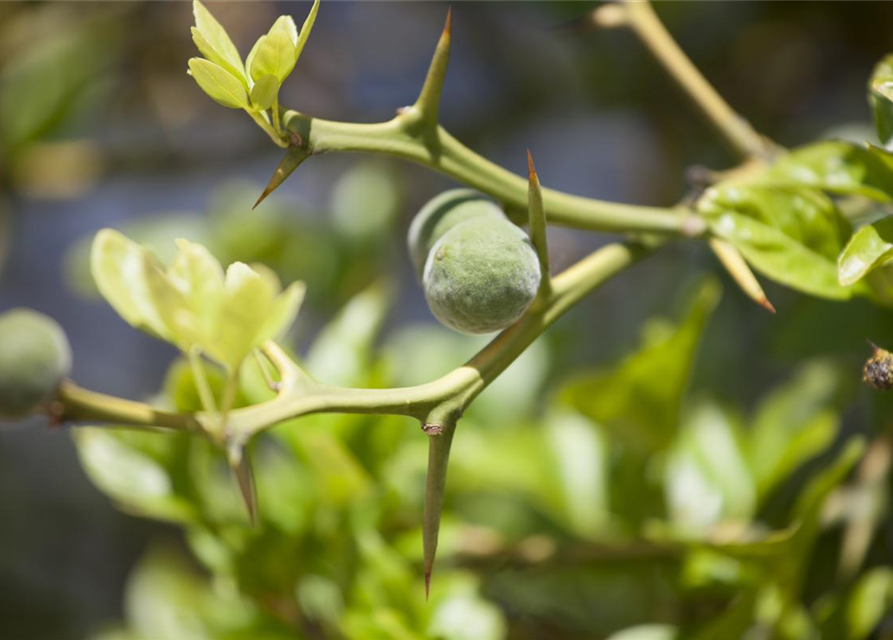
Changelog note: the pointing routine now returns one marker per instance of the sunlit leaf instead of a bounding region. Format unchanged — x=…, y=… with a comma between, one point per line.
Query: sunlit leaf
x=118, y=267
x=838, y=167
x=870, y=247
x=222, y=86
x=274, y=55
x=264, y=92
x=790, y=235
x=306, y=28
x=214, y=43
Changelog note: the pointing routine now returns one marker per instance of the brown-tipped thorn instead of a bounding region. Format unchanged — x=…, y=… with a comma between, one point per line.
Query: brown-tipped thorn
x=531, y=170
x=873, y=346
x=448, y=26
x=293, y=158
x=766, y=305
x=427, y=583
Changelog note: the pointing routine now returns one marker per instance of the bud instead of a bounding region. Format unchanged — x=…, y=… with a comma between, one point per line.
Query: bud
x=878, y=370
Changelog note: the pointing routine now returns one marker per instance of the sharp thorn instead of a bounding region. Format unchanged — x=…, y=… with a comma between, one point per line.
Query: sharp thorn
x=764, y=302
x=531, y=170
x=448, y=27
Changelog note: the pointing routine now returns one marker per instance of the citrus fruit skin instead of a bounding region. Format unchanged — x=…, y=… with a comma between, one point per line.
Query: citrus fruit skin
x=441, y=214
x=34, y=358
x=481, y=275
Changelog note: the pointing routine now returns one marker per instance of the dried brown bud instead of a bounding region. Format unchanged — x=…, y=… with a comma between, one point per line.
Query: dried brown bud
x=878, y=370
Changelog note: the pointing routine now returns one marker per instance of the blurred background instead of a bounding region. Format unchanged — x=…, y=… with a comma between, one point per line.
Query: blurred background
x=100, y=126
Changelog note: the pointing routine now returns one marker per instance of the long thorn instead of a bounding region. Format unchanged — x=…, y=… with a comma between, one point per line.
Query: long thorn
x=439, y=443
x=428, y=102
x=537, y=218
x=738, y=268
x=293, y=158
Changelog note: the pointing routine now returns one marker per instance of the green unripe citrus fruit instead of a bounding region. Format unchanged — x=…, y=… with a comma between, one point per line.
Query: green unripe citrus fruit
x=481, y=275
x=442, y=213
x=34, y=358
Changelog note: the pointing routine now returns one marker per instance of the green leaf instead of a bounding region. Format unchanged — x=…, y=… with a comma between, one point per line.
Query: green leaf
x=880, y=97
x=342, y=352
x=792, y=236
x=131, y=477
x=264, y=92
x=215, y=44
x=286, y=25
x=222, y=86
x=274, y=55
x=306, y=28
x=647, y=632
x=871, y=600
x=639, y=400
x=870, y=247
x=707, y=477
x=118, y=267
x=795, y=423
x=838, y=167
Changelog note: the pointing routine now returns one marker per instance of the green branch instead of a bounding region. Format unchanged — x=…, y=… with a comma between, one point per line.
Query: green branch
x=299, y=395
x=404, y=138
x=639, y=16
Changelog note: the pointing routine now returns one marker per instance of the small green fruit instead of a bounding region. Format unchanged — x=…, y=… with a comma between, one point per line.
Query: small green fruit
x=442, y=213
x=34, y=358
x=481, y=275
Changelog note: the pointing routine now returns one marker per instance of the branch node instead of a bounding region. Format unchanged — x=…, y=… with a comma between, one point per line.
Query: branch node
x=432, y=429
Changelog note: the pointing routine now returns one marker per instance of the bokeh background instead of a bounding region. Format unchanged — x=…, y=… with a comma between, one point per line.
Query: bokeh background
x=101, y=126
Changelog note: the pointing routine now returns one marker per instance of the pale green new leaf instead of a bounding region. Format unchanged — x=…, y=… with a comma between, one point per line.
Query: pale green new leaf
x=247, y=301
x=870, y=247
x=214, y=43
x=306, y=28
x=275, y=56
x=222, y=86
x=118, y=267
x=286, y=25
x=199, y=276
x=264, y=92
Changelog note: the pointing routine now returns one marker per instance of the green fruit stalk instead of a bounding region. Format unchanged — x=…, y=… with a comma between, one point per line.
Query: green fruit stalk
x=34, y=358
x=481, y=275
x=442, y=213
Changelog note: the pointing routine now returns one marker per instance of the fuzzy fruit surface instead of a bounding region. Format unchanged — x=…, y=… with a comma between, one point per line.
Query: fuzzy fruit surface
x=442, y=213
x=34, y=358
x=481, y=275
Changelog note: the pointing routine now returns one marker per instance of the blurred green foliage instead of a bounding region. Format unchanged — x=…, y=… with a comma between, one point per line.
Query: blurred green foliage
x=580, y=500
